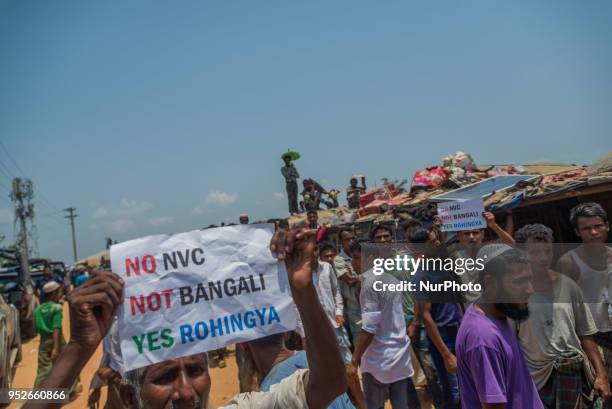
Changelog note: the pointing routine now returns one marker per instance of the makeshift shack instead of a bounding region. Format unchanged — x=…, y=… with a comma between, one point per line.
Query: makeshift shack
x=542, y=192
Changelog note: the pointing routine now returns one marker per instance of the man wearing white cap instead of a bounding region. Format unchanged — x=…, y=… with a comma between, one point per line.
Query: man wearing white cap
x=492, y=370
x=48, y=321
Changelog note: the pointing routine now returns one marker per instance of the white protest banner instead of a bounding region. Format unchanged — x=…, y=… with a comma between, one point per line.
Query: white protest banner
x=458, y=216
x=193, y=292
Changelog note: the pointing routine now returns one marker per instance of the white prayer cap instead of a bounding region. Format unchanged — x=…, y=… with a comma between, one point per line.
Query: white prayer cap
x=50, y=287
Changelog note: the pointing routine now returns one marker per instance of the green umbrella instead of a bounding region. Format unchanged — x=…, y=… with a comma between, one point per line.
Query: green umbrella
x=293, y=155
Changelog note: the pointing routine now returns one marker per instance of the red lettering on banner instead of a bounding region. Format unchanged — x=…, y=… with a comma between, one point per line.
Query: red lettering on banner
x=152, y=302
x=167, y=293
x=132, y=265
x=140, y=304
x=149, y=265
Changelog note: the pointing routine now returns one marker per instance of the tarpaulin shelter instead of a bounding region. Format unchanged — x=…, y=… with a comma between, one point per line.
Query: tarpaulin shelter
x=541, y=192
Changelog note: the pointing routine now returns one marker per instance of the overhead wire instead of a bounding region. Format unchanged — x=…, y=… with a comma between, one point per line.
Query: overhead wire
x=2, y=185
x=8, y=154
x=6, y=172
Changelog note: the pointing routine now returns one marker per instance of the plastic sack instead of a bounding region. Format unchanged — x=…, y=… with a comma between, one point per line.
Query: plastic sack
x=430, y=177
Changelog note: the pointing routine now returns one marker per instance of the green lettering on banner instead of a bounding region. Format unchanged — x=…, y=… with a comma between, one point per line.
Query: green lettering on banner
x=152, y=339
x=168, y=339
x=139, y=341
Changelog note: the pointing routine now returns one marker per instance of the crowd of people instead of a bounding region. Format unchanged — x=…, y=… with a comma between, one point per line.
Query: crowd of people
x=537, y=335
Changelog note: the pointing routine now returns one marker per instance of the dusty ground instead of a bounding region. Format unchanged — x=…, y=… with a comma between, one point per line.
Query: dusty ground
x=224, y=381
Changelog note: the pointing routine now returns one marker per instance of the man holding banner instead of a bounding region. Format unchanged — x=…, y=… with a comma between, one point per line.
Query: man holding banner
x=469, y=220
x=183, y=381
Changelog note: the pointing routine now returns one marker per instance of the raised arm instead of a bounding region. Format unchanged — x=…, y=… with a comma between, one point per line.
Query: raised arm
x=92, y=308
x=437, y=226
x=503, y=235
x=326, y=378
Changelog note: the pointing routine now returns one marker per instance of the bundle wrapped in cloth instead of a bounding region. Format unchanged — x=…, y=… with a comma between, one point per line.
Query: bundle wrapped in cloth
x=430, y=177
x=460, y=160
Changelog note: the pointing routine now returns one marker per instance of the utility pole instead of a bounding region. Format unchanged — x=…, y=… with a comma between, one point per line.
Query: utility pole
x=72, y=216
x=21, y=196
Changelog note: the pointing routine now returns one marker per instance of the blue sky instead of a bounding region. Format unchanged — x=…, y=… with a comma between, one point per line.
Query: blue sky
x=156, y=117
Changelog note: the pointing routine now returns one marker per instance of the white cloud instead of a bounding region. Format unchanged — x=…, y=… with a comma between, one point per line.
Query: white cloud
x=278, y=195
x=134, y=207
x=125, y=208
x=128, y=203
x=6, y=216
x=120, y=225
x=93, y=226
x=220, y=198
x=158, y=221
x=99, y=213
x=199, y=210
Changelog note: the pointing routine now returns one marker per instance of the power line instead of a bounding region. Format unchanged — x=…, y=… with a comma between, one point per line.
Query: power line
x=46, y=203
x=2, y=185
x=59, y=221
x=48, y=209
x=51, y=214
x=11, y=158
x=6, y=172
x=47, y=226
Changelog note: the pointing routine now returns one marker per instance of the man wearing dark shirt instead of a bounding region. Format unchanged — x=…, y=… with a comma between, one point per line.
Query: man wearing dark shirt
x=441, y=314
x=291, y=176
x=48, y=276
x=354, y=192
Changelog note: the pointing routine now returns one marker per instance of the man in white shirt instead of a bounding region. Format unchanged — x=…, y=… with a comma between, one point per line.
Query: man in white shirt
x=331, y=299
x=383, y=347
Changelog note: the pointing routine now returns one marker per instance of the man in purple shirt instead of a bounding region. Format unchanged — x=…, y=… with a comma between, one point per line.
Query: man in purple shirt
x=492, y=370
